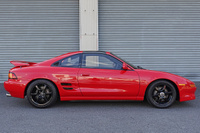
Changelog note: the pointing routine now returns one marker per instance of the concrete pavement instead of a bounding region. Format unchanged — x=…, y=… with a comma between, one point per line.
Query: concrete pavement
x=18, y=116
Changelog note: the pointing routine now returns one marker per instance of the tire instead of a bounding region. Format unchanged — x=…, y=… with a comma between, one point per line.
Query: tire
x=42, y=94
x=161, y=94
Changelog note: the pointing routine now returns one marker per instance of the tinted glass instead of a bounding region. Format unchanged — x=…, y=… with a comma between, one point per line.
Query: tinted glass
x=125, y=61
x=72, y=61
x=101, y=61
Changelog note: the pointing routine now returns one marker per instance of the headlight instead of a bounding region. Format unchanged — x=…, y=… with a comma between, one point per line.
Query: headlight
x=11, y=75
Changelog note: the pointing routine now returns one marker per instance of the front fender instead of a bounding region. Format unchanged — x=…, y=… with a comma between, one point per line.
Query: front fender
x=183, y=85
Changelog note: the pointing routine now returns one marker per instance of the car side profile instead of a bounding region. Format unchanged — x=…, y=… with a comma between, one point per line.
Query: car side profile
x=94, y=75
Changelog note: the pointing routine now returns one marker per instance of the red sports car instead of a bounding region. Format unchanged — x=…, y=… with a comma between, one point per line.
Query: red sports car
x=94, y=75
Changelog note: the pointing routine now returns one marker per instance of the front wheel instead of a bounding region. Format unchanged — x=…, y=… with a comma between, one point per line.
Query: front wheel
x=161, y=94
x=41, y=93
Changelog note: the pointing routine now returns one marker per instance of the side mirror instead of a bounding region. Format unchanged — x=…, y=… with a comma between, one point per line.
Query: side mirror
x=125, y=67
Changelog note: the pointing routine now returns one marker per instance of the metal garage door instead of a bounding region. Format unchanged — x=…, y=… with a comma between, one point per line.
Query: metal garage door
x=156, y=34
x=35, y=30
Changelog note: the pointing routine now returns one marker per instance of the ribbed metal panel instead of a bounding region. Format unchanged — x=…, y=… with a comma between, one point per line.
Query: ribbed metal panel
x=155, y=34
x=35, y=30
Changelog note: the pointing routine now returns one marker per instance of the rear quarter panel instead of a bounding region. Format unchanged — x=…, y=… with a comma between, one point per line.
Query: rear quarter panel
x=26, y=75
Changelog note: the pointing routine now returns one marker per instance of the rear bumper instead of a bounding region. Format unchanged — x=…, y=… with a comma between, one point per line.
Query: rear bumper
x=15, y=88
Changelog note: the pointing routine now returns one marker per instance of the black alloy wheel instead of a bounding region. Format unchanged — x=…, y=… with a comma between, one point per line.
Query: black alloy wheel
x=41, y=93
x=161, y=94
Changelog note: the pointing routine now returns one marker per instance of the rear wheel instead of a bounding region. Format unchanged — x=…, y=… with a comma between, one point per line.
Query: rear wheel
x=42, y=93
x=161, y=94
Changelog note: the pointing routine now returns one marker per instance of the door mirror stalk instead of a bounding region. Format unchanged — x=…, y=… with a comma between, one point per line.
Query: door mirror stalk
x=125, y=67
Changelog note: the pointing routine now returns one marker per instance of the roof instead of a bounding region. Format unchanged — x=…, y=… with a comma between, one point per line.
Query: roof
x=94, y=52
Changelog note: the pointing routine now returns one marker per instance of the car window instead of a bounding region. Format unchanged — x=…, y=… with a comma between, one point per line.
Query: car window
x=71, y=61
x=101, y=61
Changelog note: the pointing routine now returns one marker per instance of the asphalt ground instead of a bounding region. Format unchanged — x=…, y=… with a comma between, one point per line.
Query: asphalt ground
x=18, y=116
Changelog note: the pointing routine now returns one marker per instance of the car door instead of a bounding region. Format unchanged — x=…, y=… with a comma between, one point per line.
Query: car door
x=102, y=75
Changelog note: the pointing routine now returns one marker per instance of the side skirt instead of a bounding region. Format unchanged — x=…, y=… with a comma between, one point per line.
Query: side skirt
x=101, y=98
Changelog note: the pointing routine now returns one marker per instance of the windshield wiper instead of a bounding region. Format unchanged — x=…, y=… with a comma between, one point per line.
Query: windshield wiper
x=139, y=67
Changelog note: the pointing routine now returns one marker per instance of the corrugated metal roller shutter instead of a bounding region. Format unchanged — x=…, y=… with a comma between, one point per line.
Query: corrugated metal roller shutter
x=34, y=30
x=156, y=34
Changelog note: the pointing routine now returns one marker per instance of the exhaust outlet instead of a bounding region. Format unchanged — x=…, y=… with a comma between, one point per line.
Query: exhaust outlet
x=8, y=95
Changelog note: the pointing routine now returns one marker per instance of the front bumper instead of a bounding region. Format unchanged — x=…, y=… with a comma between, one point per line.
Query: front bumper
x=187, y=93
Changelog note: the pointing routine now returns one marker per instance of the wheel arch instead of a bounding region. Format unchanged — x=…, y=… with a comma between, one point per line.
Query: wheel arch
x=174, y=84
x=41, y=79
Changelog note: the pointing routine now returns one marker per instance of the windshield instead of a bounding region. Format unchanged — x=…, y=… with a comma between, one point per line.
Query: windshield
x=125, y=61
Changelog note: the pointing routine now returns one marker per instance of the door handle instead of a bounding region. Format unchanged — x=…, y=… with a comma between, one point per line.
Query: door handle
x=85, y=74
